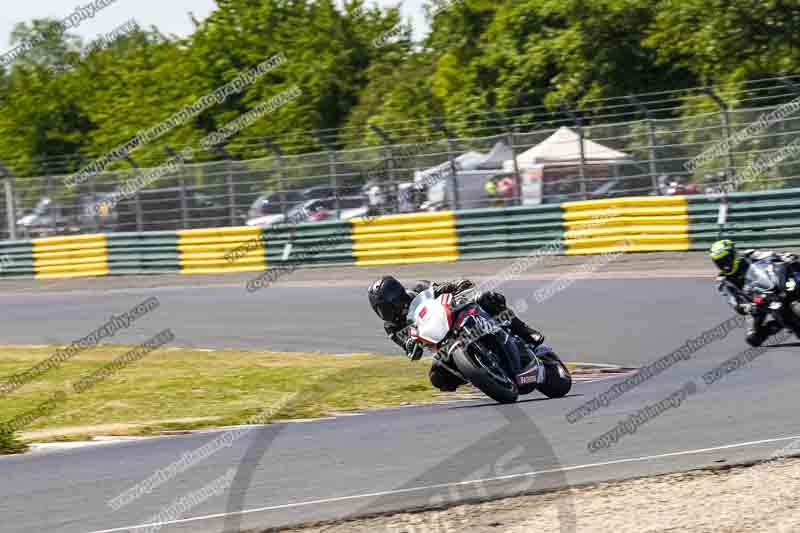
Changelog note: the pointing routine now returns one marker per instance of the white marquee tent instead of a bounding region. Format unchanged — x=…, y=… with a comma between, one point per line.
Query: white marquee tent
x=563, y=148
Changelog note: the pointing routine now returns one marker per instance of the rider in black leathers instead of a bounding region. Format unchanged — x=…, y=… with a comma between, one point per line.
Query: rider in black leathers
x=733, y=270
x=390, y=301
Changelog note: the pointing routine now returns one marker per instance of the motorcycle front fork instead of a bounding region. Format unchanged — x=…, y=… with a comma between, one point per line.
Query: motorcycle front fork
x=531, y=365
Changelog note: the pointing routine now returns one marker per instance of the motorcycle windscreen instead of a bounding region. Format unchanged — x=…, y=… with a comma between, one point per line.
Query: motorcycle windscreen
x=416, y=303
x=759, y=279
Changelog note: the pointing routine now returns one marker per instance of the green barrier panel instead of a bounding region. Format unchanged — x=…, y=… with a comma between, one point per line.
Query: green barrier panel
x=763, y=219
x=16, y=259
x=152, y=252
x=312, y=244
x=758, y=208
x=496, y=233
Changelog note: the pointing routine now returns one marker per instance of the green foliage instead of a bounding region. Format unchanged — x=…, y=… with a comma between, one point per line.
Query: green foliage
x=723, y=41
x=481, y=55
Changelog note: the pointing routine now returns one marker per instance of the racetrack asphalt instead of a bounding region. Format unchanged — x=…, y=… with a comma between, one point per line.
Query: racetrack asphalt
x=631, y=313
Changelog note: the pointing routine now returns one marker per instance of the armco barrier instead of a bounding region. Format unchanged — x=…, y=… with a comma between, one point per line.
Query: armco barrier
x=203, y=251
x=769, y=219
x=16, y=259
x=755, y=220
x=69, y=257
x=153, y=252
x=508, y=232
x=405, y=239
x=634, y=224
x=317, y=244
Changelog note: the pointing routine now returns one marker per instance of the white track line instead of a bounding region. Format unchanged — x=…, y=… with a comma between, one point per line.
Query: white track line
x=448, y=485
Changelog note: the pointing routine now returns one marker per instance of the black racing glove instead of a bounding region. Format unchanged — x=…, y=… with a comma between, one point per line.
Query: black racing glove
x=413, y=349
x=492, y=302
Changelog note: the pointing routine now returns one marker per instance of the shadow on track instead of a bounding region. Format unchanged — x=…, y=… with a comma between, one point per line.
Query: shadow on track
x=513, y=452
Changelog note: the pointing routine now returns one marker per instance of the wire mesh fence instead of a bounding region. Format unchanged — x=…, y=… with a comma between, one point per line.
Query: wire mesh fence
x=647, y=156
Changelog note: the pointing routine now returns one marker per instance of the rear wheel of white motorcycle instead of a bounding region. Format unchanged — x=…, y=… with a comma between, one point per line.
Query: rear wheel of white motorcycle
x=482, y=368
x=557, y=379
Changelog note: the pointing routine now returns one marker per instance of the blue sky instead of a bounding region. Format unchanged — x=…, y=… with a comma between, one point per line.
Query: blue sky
x=170, y=16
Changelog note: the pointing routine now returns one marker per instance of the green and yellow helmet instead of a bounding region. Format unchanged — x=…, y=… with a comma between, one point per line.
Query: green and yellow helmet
x=723, y=253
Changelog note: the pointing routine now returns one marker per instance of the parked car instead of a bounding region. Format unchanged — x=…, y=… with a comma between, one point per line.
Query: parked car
x=325, y=209
x=321, y=192
x=267, y=210
x=315, y=211
x=49, y=217
x=162, y=210
x=274, y=203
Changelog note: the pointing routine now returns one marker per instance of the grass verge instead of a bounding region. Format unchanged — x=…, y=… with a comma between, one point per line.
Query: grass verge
x=180, y=389
x=9, y=443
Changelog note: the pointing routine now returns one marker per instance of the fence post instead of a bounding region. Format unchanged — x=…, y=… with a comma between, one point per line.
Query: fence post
x=722, y=215
x=137, y=199
x=231, y=188
x=182, y=185
x=391, y=176
x=229, y=182
x=335, y=182
x=55, y=209
x=726, y=131
x=333, y=178
x=651, y=140
x=93, y=193
x=275, y=147
x=451, y=149
x=582, y=165
x=11, y=209
x=517, y=176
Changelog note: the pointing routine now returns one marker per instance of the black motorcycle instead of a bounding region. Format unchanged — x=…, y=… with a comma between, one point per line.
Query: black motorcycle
x=474, y=346
x=773, y=288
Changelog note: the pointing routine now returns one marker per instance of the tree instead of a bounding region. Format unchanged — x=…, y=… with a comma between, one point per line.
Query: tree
x=727, y=41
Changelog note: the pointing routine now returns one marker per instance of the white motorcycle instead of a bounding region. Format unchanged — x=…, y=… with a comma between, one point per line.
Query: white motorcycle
x=474, y=346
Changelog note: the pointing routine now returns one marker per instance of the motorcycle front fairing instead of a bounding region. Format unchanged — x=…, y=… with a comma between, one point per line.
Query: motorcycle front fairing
x=431, y=317
x=770, y=281
x=760, y=278
x=772, y=286
x=435, y=321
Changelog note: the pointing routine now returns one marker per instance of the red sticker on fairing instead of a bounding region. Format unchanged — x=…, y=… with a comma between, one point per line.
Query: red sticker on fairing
x=423, y=312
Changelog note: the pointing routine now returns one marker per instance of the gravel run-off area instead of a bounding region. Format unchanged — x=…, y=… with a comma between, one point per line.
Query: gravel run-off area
x=741, y=499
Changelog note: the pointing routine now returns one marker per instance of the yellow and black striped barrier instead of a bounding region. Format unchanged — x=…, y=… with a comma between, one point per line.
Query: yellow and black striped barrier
x=215, y=250
x=405, y=239
x=70, y=257
x=633, y=224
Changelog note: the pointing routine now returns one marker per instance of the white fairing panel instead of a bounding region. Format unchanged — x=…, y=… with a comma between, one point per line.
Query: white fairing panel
x=433, y=319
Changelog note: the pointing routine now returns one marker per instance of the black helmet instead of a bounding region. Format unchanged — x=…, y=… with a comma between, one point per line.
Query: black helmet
x=389, y=299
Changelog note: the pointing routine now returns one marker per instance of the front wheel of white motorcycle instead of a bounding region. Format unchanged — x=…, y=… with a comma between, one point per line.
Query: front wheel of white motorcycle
x=482, y=368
